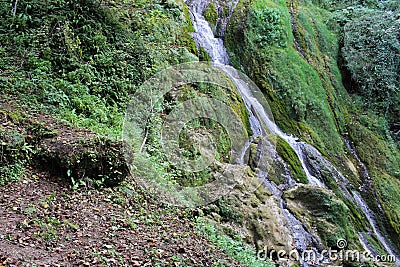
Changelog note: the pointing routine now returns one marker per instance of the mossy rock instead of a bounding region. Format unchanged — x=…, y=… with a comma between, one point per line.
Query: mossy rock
x=211, y=15
x=388, y=189
x=186, y=39
x=290, y=157
x=79, y=157
x=188, y=42
x=322, y=211
x=382, y=160
x=203, y=55
x=261, y=220
x=254, y=153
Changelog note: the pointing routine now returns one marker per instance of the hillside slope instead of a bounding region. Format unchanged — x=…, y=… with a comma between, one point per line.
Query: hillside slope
x=68, y=70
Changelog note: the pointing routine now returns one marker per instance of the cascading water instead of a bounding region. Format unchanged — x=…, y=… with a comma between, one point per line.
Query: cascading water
x=361, y=203
x=252, y=103
x=204, y=35
x=260, y=121
x=258, y=117
x=364, y=172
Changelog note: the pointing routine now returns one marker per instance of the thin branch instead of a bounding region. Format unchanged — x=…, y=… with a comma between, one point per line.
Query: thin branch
x=144, y=141
x=147, y=129
x=14, y=9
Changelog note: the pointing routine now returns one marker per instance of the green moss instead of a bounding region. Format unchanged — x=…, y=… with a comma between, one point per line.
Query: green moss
x=290, y=157
x=188, y=42
x=186, y=39
x=377, y=153
x=388, y=189
x=306, y=95
x=228, y=95
x=16, y=117
x=321, y=209
x=203, y=55
x=211, y=14
x=189, y=25
x=229, y=212
x=375, y=243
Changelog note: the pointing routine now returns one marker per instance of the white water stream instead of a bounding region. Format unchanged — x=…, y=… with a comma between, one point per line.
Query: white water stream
x=260, y=121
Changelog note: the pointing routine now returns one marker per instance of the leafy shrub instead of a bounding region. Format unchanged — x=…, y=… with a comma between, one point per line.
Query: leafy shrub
x=235, y=249
x=371, y=50
x=82, y=59
x=340, y=4
x=266, y=27
x=14, y=154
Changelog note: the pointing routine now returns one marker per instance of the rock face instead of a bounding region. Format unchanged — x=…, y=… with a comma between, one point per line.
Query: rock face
x=259, y=218
x=320, y=167
x=298, y=208
x=322, y=213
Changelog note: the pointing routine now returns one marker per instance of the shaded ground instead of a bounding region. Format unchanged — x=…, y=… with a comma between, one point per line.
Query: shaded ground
x=42, y=222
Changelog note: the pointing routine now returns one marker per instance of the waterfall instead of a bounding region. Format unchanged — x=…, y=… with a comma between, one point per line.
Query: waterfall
x=361, y=203
x=253, y=103
x=204, y=35
x=260, y=121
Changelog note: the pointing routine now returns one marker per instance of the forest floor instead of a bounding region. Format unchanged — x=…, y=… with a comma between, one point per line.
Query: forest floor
x=45, y=222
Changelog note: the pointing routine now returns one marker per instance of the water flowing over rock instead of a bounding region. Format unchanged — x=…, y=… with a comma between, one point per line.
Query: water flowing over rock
x=204, y=36
x=291, y=209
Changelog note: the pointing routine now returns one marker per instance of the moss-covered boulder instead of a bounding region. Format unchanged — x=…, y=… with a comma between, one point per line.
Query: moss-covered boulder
x=40, y=141
x=292, y=160
x=78, y=156
x=211, y=15
x=252, y=212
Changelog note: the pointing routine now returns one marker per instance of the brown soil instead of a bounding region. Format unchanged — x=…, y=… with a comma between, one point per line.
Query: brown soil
x=43, y=222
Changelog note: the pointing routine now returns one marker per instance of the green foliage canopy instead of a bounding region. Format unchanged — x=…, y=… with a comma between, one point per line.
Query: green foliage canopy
x=372, y=53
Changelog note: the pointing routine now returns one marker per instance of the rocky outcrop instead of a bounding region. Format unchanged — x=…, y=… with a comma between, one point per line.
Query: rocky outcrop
x=323, y=213
x=40, y=140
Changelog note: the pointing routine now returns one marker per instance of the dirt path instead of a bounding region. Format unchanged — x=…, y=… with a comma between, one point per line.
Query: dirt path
x=43, y=222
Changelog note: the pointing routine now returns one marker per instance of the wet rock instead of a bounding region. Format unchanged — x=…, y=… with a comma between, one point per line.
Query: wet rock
x=265, y=224
x=322, y=213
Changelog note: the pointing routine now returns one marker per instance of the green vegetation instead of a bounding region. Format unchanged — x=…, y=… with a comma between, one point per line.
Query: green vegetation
x=13, y=156
x=371, y=50
x=296, y=93
x=234, y=248
x=328, y=69
x=266, y=27
x=80, y=64
x=337, y=74
x=290, y=157
x=323, y=211
x=84, y=59
x=16, y=152
x=211, y=14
